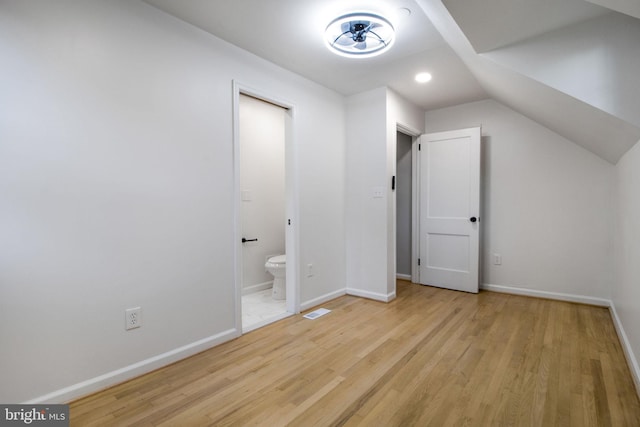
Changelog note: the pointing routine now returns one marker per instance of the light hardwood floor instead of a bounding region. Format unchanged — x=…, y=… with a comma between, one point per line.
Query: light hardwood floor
x=430, y=357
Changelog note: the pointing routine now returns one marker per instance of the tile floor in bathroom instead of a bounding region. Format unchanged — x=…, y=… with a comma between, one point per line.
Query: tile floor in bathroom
x=259, y=309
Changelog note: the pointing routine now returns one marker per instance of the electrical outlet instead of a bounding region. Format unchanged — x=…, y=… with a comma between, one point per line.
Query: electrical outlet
x=133, y=318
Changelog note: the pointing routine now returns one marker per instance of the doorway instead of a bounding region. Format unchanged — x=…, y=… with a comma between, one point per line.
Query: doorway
x=262, y=137
x=444, y=207
x=404, y=205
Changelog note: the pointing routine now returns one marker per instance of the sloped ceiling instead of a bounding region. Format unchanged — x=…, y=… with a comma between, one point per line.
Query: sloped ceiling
x=596, y=61
x=574, y=111
x=530, y=55
x=628, y=7
x=491, y=24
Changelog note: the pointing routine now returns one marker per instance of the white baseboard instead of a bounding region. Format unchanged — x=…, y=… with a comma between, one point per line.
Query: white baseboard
x=109, y=379
x=257, y=288
x=128, y=372
x=372, y=295
x=626, y=347
x=403, y=276
x=321, y=299
x=546, y=294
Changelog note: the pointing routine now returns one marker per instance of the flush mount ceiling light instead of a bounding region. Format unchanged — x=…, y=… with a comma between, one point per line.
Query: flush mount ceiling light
x=359, y=35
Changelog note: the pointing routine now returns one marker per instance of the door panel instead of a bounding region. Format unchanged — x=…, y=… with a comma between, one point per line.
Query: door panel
x=449, y=180
x=448, y=177
x=448, y=252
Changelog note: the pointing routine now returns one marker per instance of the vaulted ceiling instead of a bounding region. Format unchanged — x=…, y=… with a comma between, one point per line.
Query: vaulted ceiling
x=571, y=65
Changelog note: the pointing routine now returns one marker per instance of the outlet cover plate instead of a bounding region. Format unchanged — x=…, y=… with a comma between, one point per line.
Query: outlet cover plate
x=132, y=318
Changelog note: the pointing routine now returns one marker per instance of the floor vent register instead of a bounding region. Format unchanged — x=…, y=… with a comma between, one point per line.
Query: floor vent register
x=316, y=313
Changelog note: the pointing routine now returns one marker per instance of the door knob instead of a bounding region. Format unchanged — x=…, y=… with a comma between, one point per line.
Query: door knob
x=473, y=219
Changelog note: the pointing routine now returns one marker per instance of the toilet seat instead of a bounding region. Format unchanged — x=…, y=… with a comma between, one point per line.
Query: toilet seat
x=279, y=259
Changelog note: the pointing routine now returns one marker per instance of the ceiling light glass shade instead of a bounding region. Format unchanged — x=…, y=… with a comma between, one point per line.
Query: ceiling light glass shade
x=359, y=35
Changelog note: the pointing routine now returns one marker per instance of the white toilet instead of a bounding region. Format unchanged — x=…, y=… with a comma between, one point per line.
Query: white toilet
x=277, y=266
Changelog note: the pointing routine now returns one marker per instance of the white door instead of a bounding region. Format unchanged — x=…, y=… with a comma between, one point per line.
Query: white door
x=449, y=182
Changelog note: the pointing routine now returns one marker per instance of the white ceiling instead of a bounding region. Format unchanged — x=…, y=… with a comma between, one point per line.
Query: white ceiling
x=443, y=37
x=290, y=33
x=628, y=7
x=605, y=135
x=490, y=24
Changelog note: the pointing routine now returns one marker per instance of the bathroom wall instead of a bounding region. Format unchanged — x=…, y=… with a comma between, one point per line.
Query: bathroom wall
x=403, y=205
x=262, y=186
x=116, y=181
x=546, y=204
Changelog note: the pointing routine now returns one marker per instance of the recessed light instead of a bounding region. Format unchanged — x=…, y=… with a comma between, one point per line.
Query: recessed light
x=359, y=35
x=423, y=77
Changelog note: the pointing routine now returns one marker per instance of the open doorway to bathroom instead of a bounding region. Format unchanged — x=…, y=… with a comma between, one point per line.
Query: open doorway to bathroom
x=262, y=129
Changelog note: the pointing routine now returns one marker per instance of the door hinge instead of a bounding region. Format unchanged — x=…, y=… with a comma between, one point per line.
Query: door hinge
x=419, y=147
x=418, y=261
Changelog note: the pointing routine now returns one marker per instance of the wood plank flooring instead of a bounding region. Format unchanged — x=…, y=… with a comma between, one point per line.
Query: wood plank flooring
x=430, y=357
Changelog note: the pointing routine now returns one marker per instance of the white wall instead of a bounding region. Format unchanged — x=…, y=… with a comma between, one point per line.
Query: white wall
x=546, y=203
x=321, y=157
x=262, y=183
x=372, y=120
x=403, y=113
x=116, y=184
x=626, y=288
x=367, y=215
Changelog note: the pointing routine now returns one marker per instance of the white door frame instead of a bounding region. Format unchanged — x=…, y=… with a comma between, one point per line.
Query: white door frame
x=292, y=242
x=415, y=210
x=415, y=244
